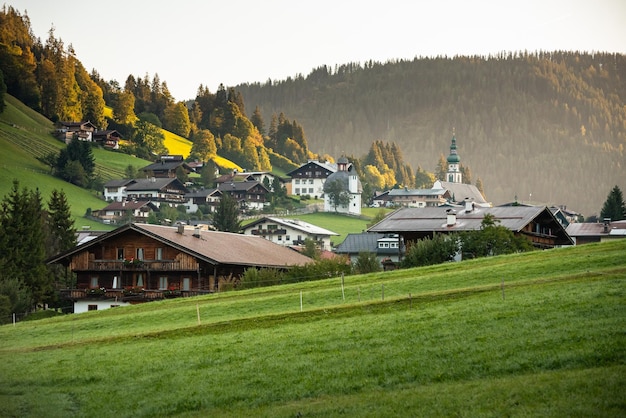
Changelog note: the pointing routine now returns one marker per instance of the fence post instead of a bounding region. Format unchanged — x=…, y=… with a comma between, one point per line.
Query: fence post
x=343, y=295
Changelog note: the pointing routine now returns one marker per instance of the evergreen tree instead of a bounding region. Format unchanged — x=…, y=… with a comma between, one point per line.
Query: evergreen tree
x=226, y=215
x=60, y=225
x=257, y=120
x=207, y=175
x=614, y=207
x=22, y=244
x=60, y=232
x=442, y=168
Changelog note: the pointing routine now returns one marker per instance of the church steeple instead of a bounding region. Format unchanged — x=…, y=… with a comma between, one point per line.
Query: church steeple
x=454, y=173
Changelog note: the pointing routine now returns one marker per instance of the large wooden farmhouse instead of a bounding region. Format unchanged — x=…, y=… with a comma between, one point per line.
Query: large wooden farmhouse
x=140, y=262
x=537, y=224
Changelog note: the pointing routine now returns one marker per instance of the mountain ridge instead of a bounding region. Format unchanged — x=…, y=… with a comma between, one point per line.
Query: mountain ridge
x=547, y=127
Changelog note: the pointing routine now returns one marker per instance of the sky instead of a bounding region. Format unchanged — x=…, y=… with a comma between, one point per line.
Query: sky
x=189, y=43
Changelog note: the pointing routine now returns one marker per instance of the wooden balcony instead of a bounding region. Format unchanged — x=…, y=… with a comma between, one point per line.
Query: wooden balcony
x=142, y=265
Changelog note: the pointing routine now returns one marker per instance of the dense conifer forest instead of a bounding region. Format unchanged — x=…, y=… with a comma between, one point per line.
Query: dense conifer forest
x=546, y=127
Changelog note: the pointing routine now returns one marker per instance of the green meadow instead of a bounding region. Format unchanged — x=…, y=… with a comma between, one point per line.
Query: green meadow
x=533, y=334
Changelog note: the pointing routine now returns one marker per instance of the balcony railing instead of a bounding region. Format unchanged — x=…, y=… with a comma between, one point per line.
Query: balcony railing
x=118, y=265
x=269, y=232
x=121, y=294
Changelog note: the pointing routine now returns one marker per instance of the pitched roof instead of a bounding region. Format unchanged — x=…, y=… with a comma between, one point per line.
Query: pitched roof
x=434, y=219
x=239, y=186
x=211, y=246
x=417, y=192
x=129, y=205
x=461, y=191
x=356, y=243
x=119, y=182
x=295, y=224
x=154, y=183
x=326, y=166
x=588, y=229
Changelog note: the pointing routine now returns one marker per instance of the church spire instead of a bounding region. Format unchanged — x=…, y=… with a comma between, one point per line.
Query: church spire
x=454, y=173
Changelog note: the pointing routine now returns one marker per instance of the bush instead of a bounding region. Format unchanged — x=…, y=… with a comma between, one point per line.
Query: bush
x=427, y=251
x=366, y=263
x=253, y=277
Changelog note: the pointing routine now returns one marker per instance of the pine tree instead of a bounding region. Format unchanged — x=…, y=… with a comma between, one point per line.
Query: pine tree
x=257, y=120
x=614, y=207
x=60, y=225
x=22, y=247
x=226, y=216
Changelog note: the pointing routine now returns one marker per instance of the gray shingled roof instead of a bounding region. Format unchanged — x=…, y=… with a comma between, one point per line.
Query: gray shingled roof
x=434, y=219
x=356, y=243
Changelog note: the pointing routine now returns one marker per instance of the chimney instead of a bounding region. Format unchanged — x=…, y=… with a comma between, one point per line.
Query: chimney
x=607, y=222
x=181, y=229
x=469, y=205
x=196, y=232
x=451, y=221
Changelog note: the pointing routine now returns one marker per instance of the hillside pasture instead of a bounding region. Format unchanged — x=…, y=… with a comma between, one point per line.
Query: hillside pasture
x=447, y=340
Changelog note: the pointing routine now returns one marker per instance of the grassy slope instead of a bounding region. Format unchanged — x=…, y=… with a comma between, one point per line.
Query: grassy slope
x=551, y=345
x=23, y=134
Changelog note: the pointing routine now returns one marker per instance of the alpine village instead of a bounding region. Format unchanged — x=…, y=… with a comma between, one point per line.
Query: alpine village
x=115, y=195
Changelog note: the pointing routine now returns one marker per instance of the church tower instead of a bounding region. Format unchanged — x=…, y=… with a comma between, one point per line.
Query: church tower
x=454, y=172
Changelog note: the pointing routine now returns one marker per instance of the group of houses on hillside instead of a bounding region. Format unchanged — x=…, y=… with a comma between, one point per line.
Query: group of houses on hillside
x=139, y=262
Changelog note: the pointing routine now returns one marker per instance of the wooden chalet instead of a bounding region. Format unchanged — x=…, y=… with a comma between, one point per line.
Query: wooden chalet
x=166, y=167
x=109, y=138
x=535, y=223
x=141, y=262
x=249, y=194
x=82, y=131
x=157, y=190
x=121, y=211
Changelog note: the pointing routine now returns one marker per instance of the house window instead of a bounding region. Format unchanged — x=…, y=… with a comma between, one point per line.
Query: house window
x=115, y=306
x=287, y=238
x=186, y=284
x=120, y=253
x=272, y=227
x=311, y=190
x=310, y=181
x=297, y=190
x=163, y=283
x=139, y=280
x=393, y=245
x=92, y=307
x=139, y=253
x=93, y=282
x=297, y=181
x=159, y=253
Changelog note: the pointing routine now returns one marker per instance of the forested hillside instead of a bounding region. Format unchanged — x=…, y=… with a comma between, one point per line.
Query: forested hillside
x=546, y=127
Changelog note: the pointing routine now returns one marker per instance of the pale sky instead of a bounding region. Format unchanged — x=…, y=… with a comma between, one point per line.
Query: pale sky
x=193, y=42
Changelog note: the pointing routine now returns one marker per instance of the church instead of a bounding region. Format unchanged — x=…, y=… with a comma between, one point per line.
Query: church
x=349, y=179
x=459, y=192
